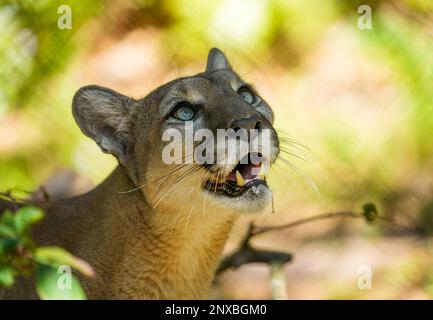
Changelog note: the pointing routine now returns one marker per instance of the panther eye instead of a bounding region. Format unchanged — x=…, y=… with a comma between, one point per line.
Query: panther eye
x=184, y=112
x=246, y=95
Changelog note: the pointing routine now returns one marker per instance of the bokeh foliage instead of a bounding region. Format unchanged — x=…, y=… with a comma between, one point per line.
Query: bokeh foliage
x=361, y=100
x=21, y=257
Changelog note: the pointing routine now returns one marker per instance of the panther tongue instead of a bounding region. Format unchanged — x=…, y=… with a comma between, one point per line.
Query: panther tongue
x=244, y=173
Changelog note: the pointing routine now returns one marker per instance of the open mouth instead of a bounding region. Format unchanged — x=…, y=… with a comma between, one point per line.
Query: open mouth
x=246, y=175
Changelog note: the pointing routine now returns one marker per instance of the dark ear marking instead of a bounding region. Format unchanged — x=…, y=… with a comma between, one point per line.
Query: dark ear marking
x=105, y=116
x=217, y=60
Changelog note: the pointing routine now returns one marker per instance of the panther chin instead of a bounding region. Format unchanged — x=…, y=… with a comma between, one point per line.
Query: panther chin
x=244, y=188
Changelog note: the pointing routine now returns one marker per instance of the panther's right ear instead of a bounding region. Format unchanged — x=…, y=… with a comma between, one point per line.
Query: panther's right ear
x=105, y=116
x=217, y=60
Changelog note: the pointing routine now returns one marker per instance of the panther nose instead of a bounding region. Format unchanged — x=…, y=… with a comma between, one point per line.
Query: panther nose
x=252, y=122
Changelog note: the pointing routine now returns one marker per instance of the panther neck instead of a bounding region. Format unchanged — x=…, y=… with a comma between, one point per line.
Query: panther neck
x=139, y=252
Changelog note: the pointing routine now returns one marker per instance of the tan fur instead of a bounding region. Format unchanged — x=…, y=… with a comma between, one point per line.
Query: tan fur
x=145, y=254
x=151, y=232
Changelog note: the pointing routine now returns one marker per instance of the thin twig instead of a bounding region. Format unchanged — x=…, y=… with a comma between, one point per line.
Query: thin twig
x=262, y=229
x=247, y=254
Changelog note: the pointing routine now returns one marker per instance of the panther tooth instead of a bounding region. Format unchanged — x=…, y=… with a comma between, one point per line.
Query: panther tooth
x=239, y=179
x=261, y=175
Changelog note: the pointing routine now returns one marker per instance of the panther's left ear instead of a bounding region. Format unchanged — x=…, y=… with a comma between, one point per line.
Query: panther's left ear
x=217, y=60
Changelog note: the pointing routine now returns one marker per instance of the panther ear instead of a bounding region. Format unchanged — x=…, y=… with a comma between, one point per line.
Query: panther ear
x=104, y=115
x=216, y=60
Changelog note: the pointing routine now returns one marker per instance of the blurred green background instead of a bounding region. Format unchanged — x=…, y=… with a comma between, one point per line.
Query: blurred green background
x=360, y=100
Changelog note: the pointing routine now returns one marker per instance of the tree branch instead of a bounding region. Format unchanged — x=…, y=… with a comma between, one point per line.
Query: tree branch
x=349, y=214
x=247, y=254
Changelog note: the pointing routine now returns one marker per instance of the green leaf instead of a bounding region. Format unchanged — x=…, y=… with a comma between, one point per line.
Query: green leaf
x=26, y=216
x=57, y=284
x=56, y=256
x=6, y=276
x=7, y=244
x=8, y=219
x=6, y=231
